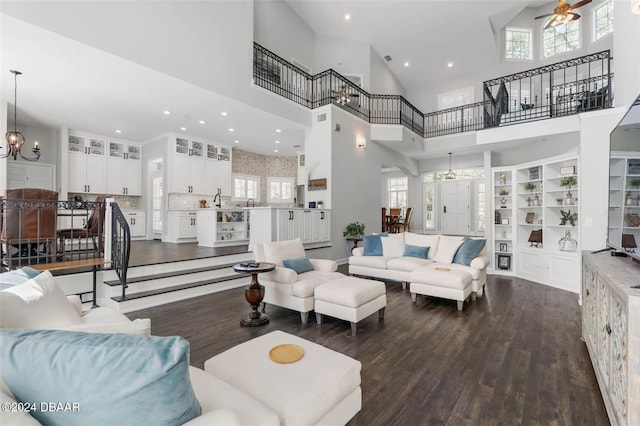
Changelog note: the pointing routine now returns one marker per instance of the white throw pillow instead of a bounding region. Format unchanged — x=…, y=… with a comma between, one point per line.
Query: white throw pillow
x=36, y=304
x=447, y=248
x=283, y=250
x=422, y=240
x=392, y=246
x=140, y=326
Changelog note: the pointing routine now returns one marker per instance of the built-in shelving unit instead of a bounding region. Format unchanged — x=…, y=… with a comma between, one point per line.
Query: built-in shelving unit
x=624, y=197
x=222, y=227
x=534, y=198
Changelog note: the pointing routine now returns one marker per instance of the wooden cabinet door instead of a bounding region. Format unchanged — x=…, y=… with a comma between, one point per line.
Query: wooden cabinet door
x=603, y=344
x=196, y=175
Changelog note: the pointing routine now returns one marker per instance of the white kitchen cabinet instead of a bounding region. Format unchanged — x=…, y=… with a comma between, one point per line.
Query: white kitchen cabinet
x=217, y=169
x=611, y=330
x=137, y=223
x=182, y=226
x=124, y=169
x=222, y=227
x=312, y=226
x=186, y=169
x=87, y=164
x=28, y=175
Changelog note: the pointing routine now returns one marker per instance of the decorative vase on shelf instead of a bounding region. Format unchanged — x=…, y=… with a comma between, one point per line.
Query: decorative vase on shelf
x=528, y=201
x=628, y=199
x=503, y=202
x=568, y=199
x=536, y=201
x=503, y=179
x=567, y=243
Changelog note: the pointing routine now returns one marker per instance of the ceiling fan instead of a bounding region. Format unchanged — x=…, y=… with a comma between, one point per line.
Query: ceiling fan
x=343, y=96
x=563, y=13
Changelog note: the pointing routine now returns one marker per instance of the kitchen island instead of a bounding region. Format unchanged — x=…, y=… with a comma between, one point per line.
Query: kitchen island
x=222, y=227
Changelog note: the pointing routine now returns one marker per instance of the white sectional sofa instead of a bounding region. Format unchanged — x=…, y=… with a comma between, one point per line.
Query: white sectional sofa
x=393, y=265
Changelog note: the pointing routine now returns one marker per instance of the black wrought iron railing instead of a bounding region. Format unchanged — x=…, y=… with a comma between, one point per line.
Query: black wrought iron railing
x=564, y=88
x=120, y=245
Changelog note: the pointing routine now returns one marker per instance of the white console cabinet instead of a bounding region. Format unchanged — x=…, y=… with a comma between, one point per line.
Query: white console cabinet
x=137, y=223
x=312, y=226
x=611, y=331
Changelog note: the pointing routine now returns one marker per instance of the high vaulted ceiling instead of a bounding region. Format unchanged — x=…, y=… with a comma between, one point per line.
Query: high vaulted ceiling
x=69, y=83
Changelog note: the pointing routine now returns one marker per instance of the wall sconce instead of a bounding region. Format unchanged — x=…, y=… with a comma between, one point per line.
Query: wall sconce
x=361, y=142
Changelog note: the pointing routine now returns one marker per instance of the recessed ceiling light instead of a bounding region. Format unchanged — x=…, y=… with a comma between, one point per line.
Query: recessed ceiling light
x=202, y=122
x=183, y=128
x=224, y=113
x=347, y=17
x=450, y=64
x=275, y=150
x=232, y=130
x=278, y=131
x=277, y=141
x=406, y=64
x=118, y=131
x=166, y=112
x=236, y=141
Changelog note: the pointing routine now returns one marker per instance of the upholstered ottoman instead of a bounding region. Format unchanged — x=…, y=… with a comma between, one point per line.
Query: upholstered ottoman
x=440, y=281
x=351, y=299
x=323, y=387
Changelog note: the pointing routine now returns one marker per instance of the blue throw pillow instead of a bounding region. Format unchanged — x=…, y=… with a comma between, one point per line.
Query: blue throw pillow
x=18, y=276
x=468, y=250
x=372, y=244
x=415, y=251
x=299, y=264
x=106, y=379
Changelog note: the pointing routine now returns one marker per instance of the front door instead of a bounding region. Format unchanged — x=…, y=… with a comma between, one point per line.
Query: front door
x=456, y=215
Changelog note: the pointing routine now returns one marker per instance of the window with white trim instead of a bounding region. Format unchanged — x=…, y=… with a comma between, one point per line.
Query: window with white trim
x=429, y=193
x=246, y=187
x=561, y=39
x=397, y=191
x=518, y=44
x=603, y=20
x=281, y=189
x=480, y=204
x=455, y=98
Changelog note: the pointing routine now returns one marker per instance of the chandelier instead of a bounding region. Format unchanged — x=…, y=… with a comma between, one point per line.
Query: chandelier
x=450, y=174
x=14, y=138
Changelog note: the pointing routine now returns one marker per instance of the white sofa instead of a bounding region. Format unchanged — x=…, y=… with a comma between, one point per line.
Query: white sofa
x=39, y=303
x=392, y=265
x=285, y=287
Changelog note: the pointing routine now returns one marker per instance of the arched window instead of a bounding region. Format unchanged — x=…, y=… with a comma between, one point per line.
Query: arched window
x=561, y=39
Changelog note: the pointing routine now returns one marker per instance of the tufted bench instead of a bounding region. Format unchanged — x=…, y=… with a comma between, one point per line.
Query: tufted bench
x=351, y=299
x=442, y=282
x=323, y=387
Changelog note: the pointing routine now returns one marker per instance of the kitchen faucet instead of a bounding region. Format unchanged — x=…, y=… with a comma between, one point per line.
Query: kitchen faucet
x=219, y=198
x=253, y=202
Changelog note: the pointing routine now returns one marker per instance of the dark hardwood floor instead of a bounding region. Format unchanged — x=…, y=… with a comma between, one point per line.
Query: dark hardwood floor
x=150, y=252
x=513, y=357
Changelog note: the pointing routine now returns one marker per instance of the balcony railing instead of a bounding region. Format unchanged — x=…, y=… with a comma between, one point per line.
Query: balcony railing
x=564, y=88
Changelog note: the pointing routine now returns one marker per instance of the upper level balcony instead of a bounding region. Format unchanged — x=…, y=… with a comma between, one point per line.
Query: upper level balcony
x=557, y=90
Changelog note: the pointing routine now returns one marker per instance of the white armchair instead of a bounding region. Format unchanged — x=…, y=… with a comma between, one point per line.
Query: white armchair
x=285, y=287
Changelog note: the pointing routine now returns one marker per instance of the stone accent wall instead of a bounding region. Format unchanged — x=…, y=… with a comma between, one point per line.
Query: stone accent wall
x=250, y=163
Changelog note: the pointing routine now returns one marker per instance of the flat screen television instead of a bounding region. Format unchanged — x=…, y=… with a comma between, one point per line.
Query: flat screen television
x=624, y=184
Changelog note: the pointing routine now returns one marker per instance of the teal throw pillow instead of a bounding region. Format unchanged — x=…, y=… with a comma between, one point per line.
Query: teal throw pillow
x=99, y=379
x=372, y=244
x=415, y=251
x=469, y=249
x=299, y=264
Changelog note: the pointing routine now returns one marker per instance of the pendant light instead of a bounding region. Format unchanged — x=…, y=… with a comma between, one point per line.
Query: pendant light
x=450, y=174
x=14, y=139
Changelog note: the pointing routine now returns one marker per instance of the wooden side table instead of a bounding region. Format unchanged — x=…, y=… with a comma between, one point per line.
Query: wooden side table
x=355, y=240
x=254, y=293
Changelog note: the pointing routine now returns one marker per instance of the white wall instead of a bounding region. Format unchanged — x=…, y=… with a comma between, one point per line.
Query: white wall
x=594, y=175
x=382, y=79
x=47, y=138
x=353, y=54
x=293, y=40
x=626, y=53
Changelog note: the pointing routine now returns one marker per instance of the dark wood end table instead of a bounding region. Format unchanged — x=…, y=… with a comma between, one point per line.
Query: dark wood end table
x=355, y=240
x=254, y=293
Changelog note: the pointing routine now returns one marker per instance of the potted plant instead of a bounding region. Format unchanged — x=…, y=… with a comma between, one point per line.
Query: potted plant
x=354, y=229
x=504, y=191
x=567, y=216
x=568, y=182
x=529, y=186
x=635, y=182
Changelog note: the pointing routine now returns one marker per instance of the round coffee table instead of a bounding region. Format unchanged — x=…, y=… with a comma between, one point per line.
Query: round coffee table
x=254, y=293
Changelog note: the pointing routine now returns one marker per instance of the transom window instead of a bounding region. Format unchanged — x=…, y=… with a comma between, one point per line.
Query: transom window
x=246, y=187
x=280, y=189
x=518, y=44
x=561, y=39
x=397, y=190
x=603, y=16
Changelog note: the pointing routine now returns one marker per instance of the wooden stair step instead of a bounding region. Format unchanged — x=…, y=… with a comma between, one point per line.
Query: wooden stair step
x=143, y=278
x=186, y=286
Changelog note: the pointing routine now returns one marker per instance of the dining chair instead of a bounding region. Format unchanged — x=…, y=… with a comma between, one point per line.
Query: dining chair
x=384, y=219
x=405, y=220
x=94, y=229
x=392, y=220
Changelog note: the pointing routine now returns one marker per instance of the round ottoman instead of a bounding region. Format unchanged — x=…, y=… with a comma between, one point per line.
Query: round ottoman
x=439, y=281
x=351, y=299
